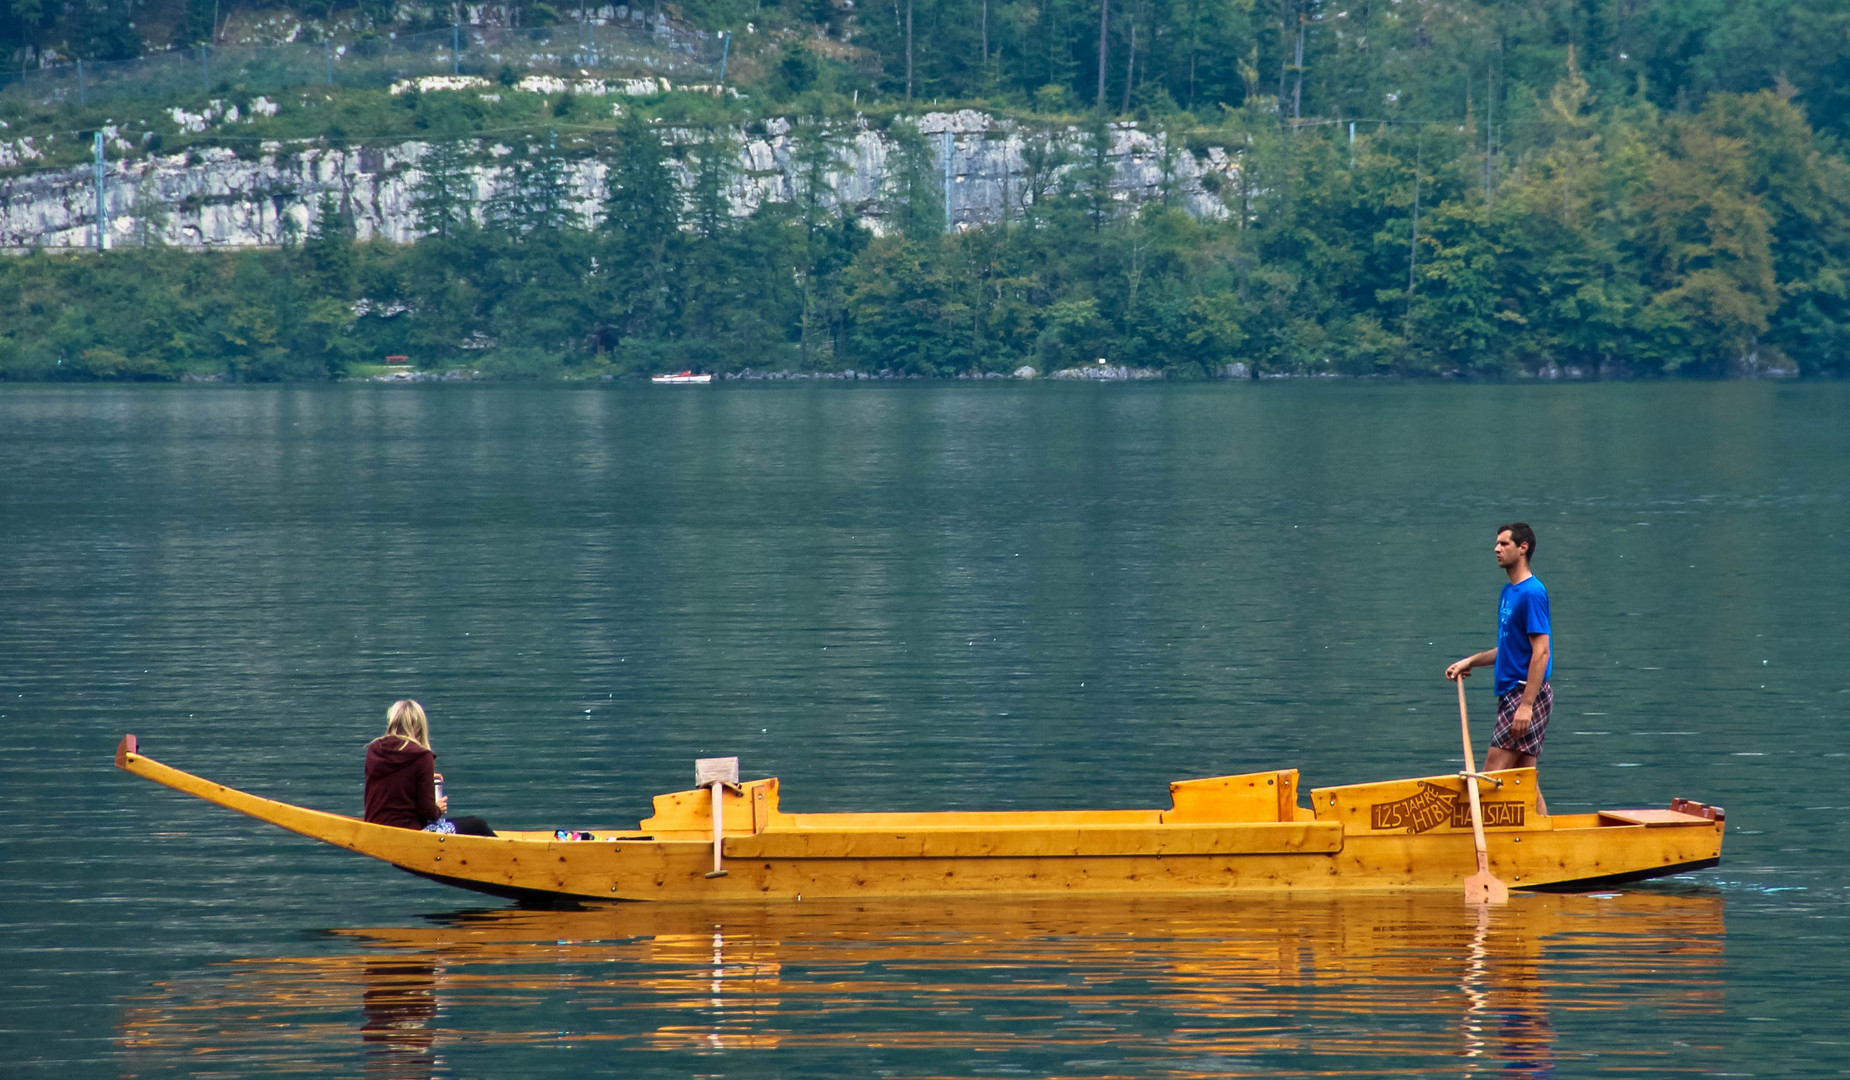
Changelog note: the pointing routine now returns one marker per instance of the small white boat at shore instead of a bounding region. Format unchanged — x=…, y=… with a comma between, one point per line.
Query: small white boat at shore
x=681, y=378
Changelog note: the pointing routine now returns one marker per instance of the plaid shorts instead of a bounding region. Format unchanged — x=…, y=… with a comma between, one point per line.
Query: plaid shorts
x=1504, y=734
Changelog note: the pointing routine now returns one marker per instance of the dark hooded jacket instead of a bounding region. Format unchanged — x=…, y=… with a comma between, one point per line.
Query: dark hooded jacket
x=400, y=789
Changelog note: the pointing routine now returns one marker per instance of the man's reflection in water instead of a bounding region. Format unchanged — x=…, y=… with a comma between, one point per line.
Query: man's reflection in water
x=1506, y=1022
x=1527, y=1039
x=396, y=1009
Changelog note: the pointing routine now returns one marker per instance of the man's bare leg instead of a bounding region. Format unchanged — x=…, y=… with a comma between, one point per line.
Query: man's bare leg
x=1499, y=758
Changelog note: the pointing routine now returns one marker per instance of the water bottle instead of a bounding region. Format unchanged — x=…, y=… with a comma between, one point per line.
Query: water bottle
x=439, y=784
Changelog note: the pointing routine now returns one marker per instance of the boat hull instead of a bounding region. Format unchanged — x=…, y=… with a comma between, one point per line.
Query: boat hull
x=1244, y=834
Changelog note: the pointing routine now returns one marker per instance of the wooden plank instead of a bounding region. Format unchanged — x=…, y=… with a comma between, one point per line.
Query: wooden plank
x=1260, y=796
x=1653, y=817
x=980, y=842
x=959, y=819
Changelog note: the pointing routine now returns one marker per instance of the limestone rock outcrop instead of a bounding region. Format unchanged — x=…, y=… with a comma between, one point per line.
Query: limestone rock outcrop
x=218, y=198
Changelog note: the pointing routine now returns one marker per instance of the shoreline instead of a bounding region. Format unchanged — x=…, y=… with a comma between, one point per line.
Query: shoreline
x=1139, y=377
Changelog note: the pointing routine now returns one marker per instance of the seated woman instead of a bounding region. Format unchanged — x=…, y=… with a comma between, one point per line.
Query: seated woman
x=401, y=778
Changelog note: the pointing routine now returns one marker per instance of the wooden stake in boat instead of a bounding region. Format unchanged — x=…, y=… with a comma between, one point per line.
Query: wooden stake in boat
x=1482, y=887
x=717, y=773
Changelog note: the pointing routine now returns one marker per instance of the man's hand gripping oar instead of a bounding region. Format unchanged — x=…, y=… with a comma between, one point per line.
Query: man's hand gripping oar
x=1482, y=887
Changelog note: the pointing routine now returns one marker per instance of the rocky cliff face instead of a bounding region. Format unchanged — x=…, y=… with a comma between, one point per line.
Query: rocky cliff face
x=219, y=199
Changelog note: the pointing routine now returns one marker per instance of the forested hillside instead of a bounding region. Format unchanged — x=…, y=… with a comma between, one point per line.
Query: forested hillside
x=1596, y=187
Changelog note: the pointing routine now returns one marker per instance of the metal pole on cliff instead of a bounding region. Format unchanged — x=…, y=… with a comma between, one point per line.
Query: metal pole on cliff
x=456, y=48
x=724, y=53
x=590, y=41
x=948, y=147
x=102, y=208
x=80, y=83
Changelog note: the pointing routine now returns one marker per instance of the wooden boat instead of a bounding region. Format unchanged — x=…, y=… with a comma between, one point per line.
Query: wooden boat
x=681, y=378
x=1224, y=834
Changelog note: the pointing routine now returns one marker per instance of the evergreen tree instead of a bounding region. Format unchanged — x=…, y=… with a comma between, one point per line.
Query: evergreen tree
x=815, y=158
x=1094, y=177
x=329, y=249
x=443, y=193
x=642, y=218
x=912, y=188
x=534, y=191
x=715, y=160
x=642, y=200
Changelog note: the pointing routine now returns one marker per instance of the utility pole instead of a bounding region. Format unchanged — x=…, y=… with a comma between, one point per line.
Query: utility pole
x=102, y=208
x=1104, y=16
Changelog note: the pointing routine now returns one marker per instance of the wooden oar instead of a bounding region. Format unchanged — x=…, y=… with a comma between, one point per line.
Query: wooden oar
x=1482, y=887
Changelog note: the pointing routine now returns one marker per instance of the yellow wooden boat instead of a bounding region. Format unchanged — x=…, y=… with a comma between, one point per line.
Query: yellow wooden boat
x=1223, y=834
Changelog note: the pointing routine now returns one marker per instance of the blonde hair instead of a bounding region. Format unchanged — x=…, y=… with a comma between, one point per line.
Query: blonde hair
x=406, y=720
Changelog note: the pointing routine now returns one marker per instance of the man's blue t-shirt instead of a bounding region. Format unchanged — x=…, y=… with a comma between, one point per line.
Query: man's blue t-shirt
x=1521, y=610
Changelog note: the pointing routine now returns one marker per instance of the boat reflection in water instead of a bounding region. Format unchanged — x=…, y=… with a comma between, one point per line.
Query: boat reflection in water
x=1401, y=983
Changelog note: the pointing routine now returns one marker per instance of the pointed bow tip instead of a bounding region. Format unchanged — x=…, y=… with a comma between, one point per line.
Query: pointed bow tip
x=123, y=750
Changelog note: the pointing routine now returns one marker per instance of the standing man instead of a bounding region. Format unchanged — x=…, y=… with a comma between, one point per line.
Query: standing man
x=1522, y=657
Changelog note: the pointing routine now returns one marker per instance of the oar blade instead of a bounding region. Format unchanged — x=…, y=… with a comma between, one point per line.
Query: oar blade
x=1485, y=887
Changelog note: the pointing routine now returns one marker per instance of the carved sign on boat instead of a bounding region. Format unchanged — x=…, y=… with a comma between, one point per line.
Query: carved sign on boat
x=1432, y=806
x=1428, y=807
x=1496, y=814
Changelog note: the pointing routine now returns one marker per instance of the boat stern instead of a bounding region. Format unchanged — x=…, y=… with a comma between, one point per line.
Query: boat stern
x=1417, y=833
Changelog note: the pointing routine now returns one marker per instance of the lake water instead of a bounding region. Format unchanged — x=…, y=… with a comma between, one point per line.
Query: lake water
x=906, y=597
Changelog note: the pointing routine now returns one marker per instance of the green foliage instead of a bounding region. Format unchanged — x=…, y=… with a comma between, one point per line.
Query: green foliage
x=914, y=183
x=642, y=221
x=444, y=191
x=534, y=192
x=1668, y=197
x=642, y=201
x=522, y=363
x=905, y=309
x=714, y=163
